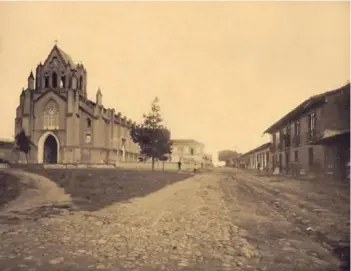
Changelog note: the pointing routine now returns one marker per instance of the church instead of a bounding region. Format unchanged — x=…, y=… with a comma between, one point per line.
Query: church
x=64, y=126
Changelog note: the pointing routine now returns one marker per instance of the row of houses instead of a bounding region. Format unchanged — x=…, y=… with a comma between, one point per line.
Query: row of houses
x=313, y=139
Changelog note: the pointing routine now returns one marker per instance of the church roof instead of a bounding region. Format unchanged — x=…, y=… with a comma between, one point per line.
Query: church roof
x=65, y=56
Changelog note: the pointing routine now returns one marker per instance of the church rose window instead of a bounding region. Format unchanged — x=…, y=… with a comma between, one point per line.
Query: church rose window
x=51, y=116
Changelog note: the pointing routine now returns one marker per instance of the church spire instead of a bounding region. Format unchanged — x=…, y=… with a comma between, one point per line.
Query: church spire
x=99, y=97
x=31, y=76
x=31, y=81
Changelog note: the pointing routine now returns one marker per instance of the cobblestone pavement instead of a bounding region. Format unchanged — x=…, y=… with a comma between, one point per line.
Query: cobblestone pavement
x=222, y=220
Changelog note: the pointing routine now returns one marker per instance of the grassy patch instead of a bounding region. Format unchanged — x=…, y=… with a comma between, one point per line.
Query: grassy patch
x=92, y=189
x=10, y=188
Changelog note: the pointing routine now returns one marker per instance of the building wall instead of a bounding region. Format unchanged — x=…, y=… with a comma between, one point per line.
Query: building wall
x=333, y=114
x=182, y=151
x=336, y=111
x=86, y=132
x=257, y=160
x=284, y=156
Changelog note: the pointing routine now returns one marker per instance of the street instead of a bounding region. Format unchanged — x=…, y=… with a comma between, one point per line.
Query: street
x=224, y=219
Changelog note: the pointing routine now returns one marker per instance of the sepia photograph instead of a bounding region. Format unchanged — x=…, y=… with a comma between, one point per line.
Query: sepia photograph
x=175, y=135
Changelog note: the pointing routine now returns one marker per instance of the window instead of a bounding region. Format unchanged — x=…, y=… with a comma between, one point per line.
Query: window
x=81, y=82
x=123, y=143
x=297, y=128
x=74, y=82
x=51, y=116
x=54, y=80
x=88, y=123
x=192, y=151
x=63, y=80
x=287, y=136
x=87, y=138
x=310, y=156
x=46, y=78
x=277, y=139
x=288, y=130
x=296, y=156
x=312, y=122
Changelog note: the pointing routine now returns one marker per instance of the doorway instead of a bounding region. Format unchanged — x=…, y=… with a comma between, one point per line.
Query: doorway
x=50, y=150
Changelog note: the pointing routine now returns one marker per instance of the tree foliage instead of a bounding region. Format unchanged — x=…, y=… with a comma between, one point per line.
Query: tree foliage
x=226, y=155
x=23, y=143
x=153, y=138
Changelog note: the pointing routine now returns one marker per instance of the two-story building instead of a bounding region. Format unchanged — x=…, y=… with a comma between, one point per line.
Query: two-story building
x=188, y=151
x=313, y=138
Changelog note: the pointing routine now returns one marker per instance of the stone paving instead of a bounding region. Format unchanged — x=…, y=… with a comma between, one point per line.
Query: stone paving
x=195, y=224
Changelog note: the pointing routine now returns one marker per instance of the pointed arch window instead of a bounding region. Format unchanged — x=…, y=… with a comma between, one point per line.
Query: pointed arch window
x=74, y=82
x=51, y=116
x=81, y=82
x=63, y=80
x=46, y=80
x=54, y=80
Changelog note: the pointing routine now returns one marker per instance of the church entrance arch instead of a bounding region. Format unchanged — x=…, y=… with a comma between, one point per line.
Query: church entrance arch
x=48, y=149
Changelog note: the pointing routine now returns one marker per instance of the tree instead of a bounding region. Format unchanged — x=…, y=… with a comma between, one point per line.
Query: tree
x=163, y=159
x=227, y=155
x=153, y=138
x=23, y=143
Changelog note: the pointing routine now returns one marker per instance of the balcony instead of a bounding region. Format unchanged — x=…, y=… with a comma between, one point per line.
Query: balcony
x=287, y=143
x=272, y=147
x=311, y=135
x=296, y=141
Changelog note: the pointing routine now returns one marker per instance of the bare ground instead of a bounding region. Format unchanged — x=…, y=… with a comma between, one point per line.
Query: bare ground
x=128, y=220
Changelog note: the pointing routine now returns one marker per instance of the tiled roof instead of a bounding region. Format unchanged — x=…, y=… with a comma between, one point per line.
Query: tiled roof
x=259, y=148
x=303, y=107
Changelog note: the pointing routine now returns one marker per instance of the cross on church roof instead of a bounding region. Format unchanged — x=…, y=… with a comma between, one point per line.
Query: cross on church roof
x=56, y=41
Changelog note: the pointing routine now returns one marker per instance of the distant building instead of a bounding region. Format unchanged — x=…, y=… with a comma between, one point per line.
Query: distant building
x=63, y=124
x=258, y=158
x=314, y=138
x=188, y=151
x=6, y=150
x=207, y=160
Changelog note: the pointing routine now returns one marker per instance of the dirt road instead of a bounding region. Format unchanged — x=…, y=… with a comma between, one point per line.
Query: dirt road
x=222, y=220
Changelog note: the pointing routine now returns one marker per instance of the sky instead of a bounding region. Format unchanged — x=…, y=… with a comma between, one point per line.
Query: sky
x=223, y=71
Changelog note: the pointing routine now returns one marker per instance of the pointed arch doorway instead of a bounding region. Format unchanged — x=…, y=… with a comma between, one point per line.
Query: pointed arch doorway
x=48, y=149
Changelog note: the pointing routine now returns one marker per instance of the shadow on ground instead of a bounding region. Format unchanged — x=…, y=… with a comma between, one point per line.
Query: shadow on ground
x=10, y=188
x=93, y=189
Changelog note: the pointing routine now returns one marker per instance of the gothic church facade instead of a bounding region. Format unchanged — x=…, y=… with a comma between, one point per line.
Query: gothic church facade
x=66, y=127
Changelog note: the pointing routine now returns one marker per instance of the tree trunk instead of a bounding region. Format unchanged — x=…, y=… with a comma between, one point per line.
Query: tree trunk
x=163, y=165
x=153, y=163
x=25, y=154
